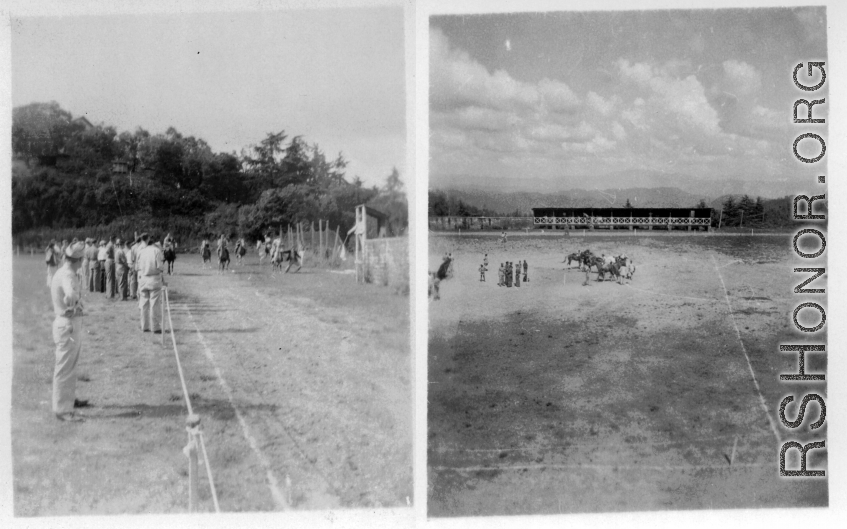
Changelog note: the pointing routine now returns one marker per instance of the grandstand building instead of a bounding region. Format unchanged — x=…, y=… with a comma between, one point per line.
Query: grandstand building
x=626, y=218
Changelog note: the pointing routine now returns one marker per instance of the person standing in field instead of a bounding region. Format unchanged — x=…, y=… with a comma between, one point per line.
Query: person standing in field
x=134, y=250
x=93, y=267
x=122, y=269
x=150, y=283
x=101, y=258
x=525, y=271
x=501, y=275
x=518, y=273
x=485, y=261
x=51, y=257
x=482, y=272
x=86, y=264
x=67, y=307
x=111, y=286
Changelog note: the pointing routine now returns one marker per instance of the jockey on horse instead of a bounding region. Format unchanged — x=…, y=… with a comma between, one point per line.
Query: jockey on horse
x=206, y=252
x=223, y=254
x=169, y=252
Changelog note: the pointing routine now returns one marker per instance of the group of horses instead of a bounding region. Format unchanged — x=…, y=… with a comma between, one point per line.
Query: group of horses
x=278, y=256
x=618, y=267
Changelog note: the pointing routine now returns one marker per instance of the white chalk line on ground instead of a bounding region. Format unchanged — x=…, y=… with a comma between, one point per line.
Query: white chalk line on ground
x=520, y=468
x=746, y=356
x=557, y=447
x=273, y=482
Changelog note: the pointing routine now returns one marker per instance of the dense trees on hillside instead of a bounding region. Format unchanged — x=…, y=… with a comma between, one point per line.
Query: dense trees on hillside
x=69, y=174
x=441, y=204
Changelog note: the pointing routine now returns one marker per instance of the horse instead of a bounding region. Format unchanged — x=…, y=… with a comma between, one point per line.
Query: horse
x=240, y=252
x=170, y=257
x=223, y=259
x=207, y=256
x=580, y=257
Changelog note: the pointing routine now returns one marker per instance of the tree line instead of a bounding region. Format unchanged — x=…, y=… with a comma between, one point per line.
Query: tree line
x=69, y=174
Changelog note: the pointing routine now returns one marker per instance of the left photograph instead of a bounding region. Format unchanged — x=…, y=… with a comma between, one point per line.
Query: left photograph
x=210, y=262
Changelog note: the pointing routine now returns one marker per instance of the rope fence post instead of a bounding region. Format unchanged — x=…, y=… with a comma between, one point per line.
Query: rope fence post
x=162, y=302
x=192, y=426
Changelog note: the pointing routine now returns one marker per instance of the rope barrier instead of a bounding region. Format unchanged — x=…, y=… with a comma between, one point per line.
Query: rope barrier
x=193, y=426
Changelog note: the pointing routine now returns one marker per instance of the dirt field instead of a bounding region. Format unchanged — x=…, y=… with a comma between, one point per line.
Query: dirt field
x=303, y=384
x=556, y=398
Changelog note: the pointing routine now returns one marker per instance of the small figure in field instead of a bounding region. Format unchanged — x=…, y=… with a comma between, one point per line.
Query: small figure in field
x=518, y=273
x=485, y=261
x=525, y=272
x=223, y=255
x=501, y=274
x=52, y=257
x=503, y=237
x=206, y=252
x=587, y=283
x=509, y=272
x=482, y=270
x=450, y=268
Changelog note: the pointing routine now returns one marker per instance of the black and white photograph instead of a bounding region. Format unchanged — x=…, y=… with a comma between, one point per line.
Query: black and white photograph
x=209, y=260
x=613, y=320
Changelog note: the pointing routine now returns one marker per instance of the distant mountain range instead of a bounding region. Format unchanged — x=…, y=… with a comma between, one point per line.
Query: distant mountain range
x=663, y=189
x=505, y=202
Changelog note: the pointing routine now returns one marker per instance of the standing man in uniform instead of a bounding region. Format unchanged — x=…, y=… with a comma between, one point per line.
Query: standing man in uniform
x=150, y=283
x=85, y=264
x=132, y=257
x=121, y=268
x=67, y=335
x=101, y=258
x=111, y=286
x=93, y=267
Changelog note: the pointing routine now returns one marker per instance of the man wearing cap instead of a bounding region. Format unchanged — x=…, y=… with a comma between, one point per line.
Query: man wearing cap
x=121, y=268
x=101, y=258
x=65, y=292
x=150, y=284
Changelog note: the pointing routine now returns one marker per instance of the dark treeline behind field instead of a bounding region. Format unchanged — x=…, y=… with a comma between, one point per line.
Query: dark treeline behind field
x=729, y=211
x=69, y=176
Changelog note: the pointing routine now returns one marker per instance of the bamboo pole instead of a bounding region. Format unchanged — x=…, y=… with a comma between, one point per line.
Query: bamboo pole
x=335, y=243
x=312, y=236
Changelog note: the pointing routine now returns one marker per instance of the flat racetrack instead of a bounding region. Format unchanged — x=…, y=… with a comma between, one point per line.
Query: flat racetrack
x=302, y=382
x=555, y=397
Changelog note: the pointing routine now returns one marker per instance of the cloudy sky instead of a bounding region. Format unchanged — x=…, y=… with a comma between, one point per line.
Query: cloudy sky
x=684, y=94
x=335, y=76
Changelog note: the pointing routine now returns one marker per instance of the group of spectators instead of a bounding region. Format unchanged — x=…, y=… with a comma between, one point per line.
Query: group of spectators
x=129, y=270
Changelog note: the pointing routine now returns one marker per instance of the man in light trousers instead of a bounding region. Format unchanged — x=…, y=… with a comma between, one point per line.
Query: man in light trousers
x=67, y=335
x=150, y=283
x=132, y=257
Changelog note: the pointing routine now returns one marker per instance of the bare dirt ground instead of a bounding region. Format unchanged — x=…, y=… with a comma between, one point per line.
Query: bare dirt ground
x=556, y=398
x=302, y=381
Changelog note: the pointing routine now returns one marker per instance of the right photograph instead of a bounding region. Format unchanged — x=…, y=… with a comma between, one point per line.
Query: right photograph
x=613, y=319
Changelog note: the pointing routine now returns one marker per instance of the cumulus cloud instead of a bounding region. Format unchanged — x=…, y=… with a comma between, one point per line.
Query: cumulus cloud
x=456, y=79
x=684, y=98
x=740, y=78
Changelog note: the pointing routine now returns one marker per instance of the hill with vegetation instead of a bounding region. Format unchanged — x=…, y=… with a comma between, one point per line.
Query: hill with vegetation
x=72, y=177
